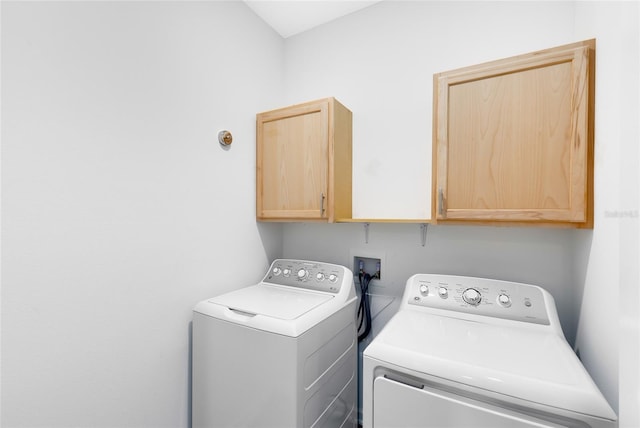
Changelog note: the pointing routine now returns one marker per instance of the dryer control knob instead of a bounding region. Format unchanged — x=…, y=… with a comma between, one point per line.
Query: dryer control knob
x=504, y=300
x=277, y=271
x=302, y=274
x=286, y=272
x=472, y=296
x=333, y=277
x=424, y=290
x=320, y=276
x=443, y=292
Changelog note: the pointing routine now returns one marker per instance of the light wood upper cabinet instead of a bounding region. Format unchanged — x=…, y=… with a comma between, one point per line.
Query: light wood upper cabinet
x=513, y=139
x=304, y=162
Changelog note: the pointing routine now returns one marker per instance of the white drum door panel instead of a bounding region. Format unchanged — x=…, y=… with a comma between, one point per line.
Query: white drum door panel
x=398, y=405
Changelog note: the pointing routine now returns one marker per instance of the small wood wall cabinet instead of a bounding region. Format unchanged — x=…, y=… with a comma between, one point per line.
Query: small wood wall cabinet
x=513, y=140
x=303, y=165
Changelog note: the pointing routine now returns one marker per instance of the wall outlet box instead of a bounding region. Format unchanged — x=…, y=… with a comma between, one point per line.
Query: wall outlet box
x=372, y=262
x=370, y=265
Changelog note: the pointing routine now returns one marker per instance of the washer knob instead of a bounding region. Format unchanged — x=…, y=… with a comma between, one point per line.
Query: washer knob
x=302, y=274
x=333, y=277
x=276, y=271
x=504, y=300
x=472, y=296
x=424, y=290
x=286, y=272
x=443, y=292
x=320, y=276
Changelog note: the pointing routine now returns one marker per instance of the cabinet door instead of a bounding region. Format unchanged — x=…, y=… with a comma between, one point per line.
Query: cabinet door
x=513, y=139
x=292, y=162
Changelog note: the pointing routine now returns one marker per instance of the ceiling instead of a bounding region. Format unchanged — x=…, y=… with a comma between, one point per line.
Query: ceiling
x=290, y=17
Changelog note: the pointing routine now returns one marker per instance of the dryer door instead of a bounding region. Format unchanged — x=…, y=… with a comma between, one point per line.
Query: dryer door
x=398, y=405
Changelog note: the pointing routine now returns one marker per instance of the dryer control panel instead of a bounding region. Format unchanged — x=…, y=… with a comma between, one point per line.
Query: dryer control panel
x=481, y=296
x=310, y=275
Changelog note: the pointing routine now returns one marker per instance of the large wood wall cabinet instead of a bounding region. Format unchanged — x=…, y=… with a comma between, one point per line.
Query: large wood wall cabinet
x=513, y=140
x=303, y=164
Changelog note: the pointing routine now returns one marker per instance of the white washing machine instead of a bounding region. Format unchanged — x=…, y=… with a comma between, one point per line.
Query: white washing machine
x=281, y=353
x=472, y=352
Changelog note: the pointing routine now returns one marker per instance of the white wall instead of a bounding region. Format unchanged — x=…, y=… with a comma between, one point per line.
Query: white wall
x=379, y=62
x=608, y=333
x=120, y=208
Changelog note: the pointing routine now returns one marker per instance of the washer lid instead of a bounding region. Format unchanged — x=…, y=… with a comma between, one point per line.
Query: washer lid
x=272, y=301
x=516, y=359
x=273, y=308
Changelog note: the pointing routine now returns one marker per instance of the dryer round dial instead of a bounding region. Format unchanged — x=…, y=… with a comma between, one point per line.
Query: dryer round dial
x=320, y=276
x=472, y=296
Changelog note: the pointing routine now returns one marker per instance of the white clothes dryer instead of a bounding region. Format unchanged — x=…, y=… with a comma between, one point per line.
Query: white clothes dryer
x=281, y=353
x=473, y=352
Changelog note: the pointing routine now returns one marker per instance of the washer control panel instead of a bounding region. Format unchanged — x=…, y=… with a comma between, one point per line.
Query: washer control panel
x=317, y=276
x=495, y=298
